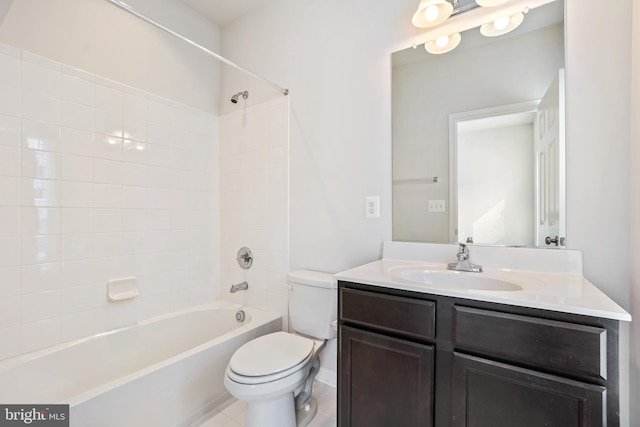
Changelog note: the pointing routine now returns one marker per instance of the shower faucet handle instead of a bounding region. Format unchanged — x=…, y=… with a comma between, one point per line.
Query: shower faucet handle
x=245, y=258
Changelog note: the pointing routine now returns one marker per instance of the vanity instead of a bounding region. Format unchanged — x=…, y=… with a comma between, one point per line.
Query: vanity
x=527, y=342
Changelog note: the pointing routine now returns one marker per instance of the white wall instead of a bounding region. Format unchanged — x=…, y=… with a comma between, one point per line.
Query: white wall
x=334, y=56
x=98, y=37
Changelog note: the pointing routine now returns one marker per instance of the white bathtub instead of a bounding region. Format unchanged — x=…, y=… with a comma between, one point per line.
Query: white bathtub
x=166, y=371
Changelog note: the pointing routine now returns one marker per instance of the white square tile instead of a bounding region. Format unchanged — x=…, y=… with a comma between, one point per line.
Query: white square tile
x=40, y=136
x=40, y=164
x=108, y=196
x=77, y=168
x=109, y=123
x=77, y=247
x=77, y=142
x=77, y=194
x=159, y=112
x=109, y=99
x=10, y=190
x=136, y=105
x=40, y=192
x=9, y=130
x=9, y=311
x=135, y=174
x=9, y=100
x=135, y=197
x=76, y=273
x=107, y=220
x=135, y=128
x=9, y=160
x=9, y=221
x=108, y=171
x=77, y=325
x=78, y=90
x=78, y=298
x=39, y=277
x=159, y=133
x=10, y=279
x=40, y=249
x=40, y=220
x=9, y=70
x=160, y=155
x=45, y=80
x=40, y=107
x=108, y=245
x=108, y=147
x=77, y=220
x=40, y=305
x=77, y=116
x=40, y=334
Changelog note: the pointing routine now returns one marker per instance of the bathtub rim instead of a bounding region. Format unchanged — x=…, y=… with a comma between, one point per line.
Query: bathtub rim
x=255, y=315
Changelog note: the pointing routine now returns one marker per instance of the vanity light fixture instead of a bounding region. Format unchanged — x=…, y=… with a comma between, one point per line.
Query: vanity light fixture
x=431, y=12
x=443, y=44
x=494, y=17
x=502, y=25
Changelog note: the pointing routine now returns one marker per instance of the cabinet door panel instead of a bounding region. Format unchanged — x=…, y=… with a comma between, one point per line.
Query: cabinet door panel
x=492, y=394
x=384, y=381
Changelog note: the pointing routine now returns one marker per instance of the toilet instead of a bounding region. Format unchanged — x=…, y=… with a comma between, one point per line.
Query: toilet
x=274, y=373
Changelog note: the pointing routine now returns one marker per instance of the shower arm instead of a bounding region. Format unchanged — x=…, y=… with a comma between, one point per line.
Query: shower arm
x=220, y=58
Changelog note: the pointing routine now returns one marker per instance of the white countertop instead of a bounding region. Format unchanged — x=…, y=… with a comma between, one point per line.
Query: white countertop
x=562, y=291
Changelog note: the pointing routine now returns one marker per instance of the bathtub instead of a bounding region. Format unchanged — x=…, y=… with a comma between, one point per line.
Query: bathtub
x=166, y=371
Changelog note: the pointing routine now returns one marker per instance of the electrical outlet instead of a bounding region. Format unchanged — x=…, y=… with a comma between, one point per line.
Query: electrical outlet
x=436, y=206
x=372, y=207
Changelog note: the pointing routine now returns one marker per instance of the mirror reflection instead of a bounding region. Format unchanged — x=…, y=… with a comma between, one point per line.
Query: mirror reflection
x=469, y=160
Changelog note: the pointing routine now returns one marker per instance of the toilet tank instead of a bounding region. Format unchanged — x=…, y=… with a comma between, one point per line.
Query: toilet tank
x=313, y=303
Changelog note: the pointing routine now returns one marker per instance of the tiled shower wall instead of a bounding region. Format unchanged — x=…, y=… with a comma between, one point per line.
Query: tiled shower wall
x=99, y=181
x=254, y=165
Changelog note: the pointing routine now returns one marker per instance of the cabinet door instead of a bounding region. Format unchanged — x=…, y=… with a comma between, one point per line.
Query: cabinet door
x=384, y=381
x=491, y=394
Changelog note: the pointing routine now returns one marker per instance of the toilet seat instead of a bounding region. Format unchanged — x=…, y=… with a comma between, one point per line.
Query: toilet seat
x=270, y=357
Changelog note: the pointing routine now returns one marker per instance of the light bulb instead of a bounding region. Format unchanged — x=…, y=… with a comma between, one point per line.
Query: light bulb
x=431, y=13
x=501, y=23
x=442, y=41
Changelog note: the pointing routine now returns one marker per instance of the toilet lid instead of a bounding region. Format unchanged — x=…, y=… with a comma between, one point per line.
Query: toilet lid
x=270, y=354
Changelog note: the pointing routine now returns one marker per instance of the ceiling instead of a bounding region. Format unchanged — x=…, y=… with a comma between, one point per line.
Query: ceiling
x=222, y=12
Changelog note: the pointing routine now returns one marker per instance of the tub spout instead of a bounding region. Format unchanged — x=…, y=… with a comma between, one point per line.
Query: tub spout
x=239, y=287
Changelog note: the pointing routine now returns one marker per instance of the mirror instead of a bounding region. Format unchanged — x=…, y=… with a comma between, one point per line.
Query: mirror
x=443, y=107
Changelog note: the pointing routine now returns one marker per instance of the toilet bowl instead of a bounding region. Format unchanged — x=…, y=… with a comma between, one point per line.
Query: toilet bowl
x=274, y=373
x=269, y=382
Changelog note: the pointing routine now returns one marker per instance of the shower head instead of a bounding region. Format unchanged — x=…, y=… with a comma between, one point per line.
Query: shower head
x=235, y=97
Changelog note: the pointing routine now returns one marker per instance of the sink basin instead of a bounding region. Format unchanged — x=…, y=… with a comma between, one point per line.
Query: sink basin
x=454, y=279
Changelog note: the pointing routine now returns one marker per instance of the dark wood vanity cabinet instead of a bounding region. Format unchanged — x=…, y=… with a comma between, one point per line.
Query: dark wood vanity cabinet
x=412, y=359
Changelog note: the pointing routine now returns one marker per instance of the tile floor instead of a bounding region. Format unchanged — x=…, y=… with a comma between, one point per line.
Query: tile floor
x=231, y=413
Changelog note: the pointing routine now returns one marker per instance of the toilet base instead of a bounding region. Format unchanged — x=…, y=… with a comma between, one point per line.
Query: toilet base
x=278, y=412
x=305, y=414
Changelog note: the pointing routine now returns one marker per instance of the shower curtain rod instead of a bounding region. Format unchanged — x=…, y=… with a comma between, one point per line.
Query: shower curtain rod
x=221, y=58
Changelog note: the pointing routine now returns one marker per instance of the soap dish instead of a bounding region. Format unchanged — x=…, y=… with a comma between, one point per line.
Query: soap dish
x=122, y=289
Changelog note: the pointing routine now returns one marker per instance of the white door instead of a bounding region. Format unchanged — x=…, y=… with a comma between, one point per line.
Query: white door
x=550, y=166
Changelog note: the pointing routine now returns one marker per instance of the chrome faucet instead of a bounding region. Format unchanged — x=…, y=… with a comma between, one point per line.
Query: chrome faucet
x=463, y=263
x=239, y=287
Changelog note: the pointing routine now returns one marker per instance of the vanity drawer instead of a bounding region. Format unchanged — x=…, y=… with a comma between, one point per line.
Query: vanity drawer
x=562, y=347
x=398, y=315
